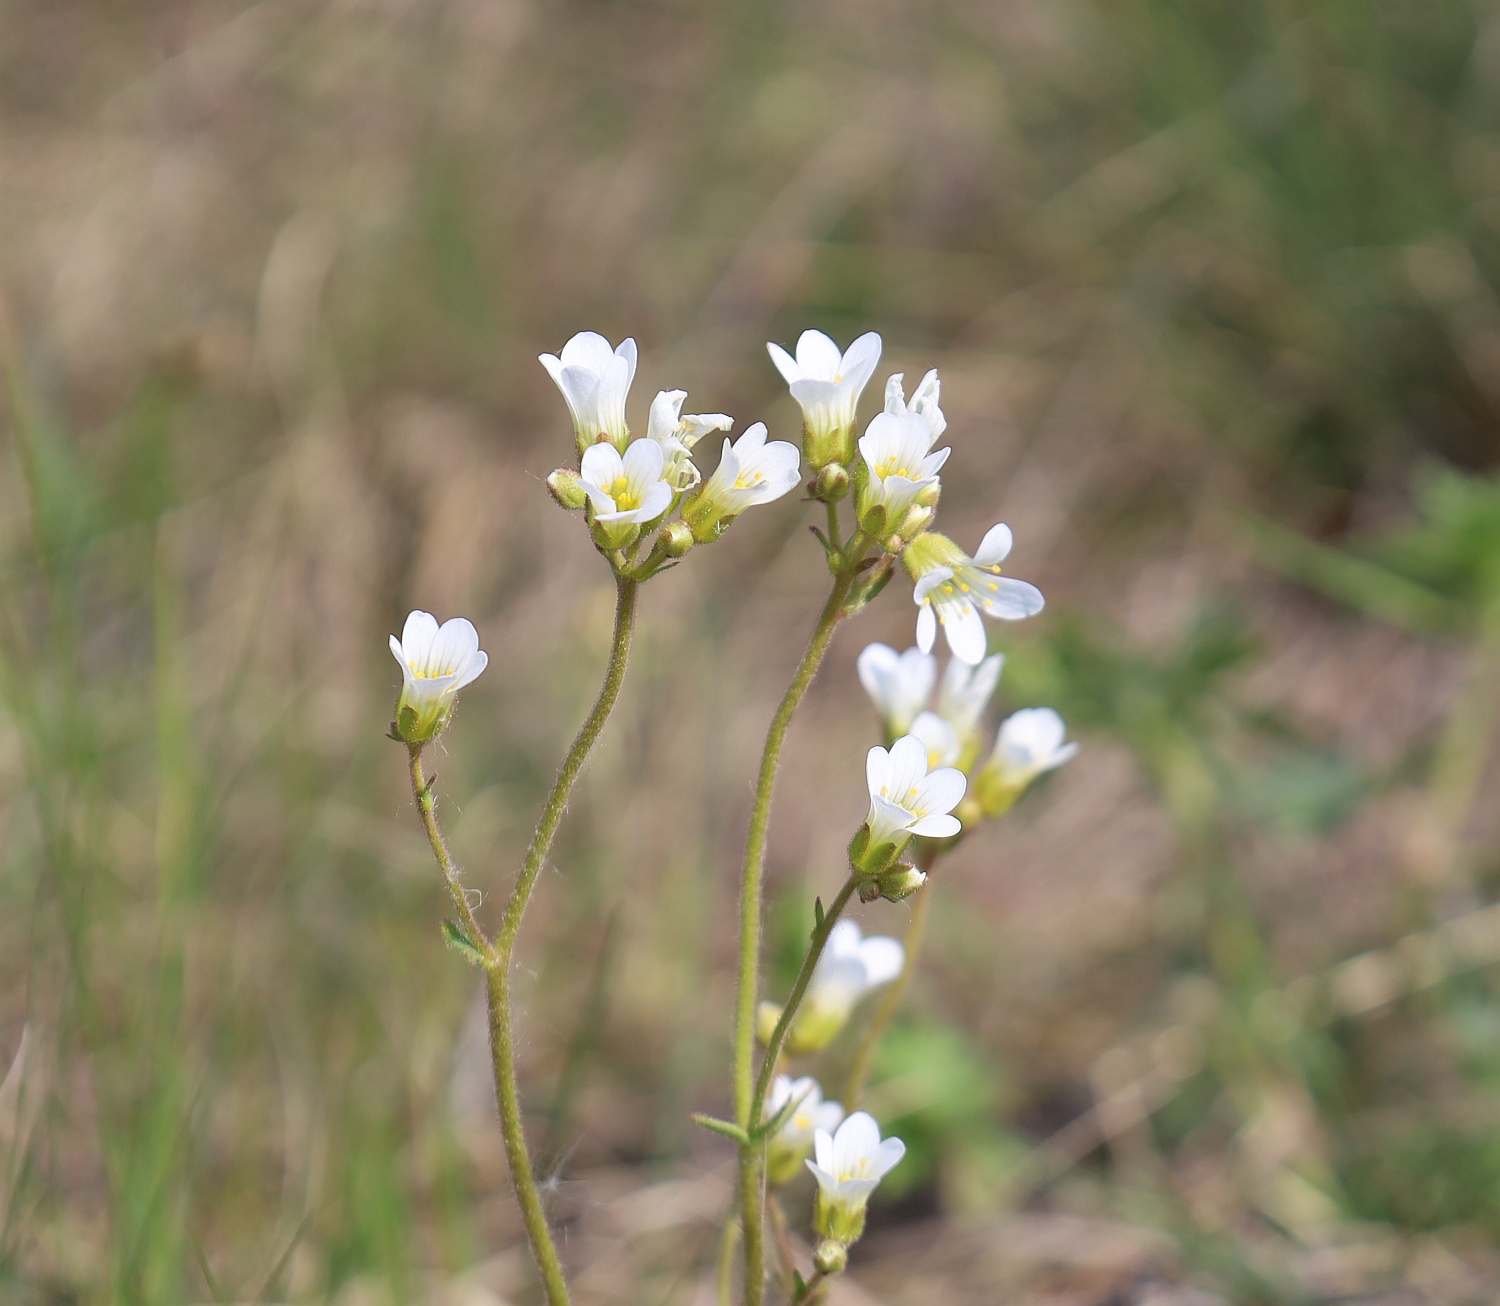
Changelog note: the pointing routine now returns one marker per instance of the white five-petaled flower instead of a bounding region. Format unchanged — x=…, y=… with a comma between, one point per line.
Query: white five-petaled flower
x=626, y=492
x=848, y=1165
x=899, y=684
x=965, y=693
x=792, y=1142
x=938, y=738
x=894, y=448
x=827, y=385
x=436, y=662
x=677, y=432
x=594, y=379
x=1030, y=742
x=924, y=402
x=750, y=472
x=906, y=799
x=952, y=589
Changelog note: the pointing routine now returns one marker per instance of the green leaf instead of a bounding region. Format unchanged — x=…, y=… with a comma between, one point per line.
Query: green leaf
x=462, y=944
x=773, y=1125
x=817, y=914
x=717, y=1126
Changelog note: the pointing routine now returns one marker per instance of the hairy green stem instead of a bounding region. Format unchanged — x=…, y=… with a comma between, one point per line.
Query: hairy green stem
x=890, y=1003
x=498, y=955
x=421, y=789
x=502, y=1049
x=752, y=878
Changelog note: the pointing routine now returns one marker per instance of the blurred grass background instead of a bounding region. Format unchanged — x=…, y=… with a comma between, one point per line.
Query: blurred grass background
x=1212, y=287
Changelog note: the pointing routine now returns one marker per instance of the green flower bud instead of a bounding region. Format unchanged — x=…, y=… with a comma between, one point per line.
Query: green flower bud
x=678, y=538
x=832, y=483
x=900, y=882
x=566, y=487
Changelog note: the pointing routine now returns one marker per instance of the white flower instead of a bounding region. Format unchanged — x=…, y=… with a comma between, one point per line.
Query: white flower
x=848, y=1165
x=895, y=452
x=677, y=432
x=436, y=662
x=827, y=385
x=924, y=402
x=792, y=1142
x=1030, y=742
x=952, y=589
x=626, y=492
x=905, y=799
x=938, y=738
x=899, y=684
x=848, y=969
x=594, y=379
x=750, y=472
x=966, y=692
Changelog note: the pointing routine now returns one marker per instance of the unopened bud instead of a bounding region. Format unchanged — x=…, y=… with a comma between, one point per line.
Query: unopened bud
x=900, y=882
x=566, y=486
x=677, y=538
x=917, y=520
x=928, y=495
x=830, y=1257
x=832, y=483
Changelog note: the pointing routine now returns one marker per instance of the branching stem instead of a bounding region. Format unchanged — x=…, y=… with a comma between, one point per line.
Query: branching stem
x=499, y=955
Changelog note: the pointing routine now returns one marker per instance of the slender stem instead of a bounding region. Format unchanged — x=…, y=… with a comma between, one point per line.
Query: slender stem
x=502, y=1050
x=752, y=1156
x=752, y=877
x=421, y=789
x=799, y=991
x=891, y=999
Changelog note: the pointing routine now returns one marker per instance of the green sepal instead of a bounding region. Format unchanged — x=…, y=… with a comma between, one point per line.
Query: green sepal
x=462, y=944
x=716, y=1126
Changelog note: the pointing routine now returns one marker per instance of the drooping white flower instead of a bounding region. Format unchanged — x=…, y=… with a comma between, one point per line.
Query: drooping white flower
x=848, y=1165
x=924, y=402
x=938, y=738
x=595, y=380
x=436, y=662
x=827, y=385
x=791, y=1143
x=965, y=693
x=952, y=589
x=626, y=492
x=906, y=799
x=849, y=968
x=1030, y=742
x=899, y=684
x=894, y=448
x=677, y=432
x=750, y=472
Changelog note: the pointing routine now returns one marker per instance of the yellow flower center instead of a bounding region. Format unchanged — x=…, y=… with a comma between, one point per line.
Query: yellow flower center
x=619, y=490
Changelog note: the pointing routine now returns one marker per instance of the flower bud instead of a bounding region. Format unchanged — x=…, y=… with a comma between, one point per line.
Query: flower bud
x=900, y=882
x=830, y=1257
x=566, y=487
x=832, y=483
x=678, y=539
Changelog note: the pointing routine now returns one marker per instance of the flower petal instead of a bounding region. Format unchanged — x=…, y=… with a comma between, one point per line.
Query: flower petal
x=1013, y=600
x=926, y=627
x=817, y=356
x=995, y=547
x=965, y=630
x=937, y=827
x=785, y=363
x=883, y=959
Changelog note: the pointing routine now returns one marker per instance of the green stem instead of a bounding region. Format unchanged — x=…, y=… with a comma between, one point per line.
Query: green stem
x=421, y=789
x=752, y=1155
x=502, y=1049
x=751, y=1179
x=890, y=1003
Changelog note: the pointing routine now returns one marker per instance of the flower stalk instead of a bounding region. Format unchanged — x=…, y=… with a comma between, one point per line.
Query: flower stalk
x=497, y=956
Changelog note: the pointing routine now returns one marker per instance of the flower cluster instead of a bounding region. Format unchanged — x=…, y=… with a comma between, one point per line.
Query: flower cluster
x=893, y=472
x=631, y=487
x=1030, y=742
